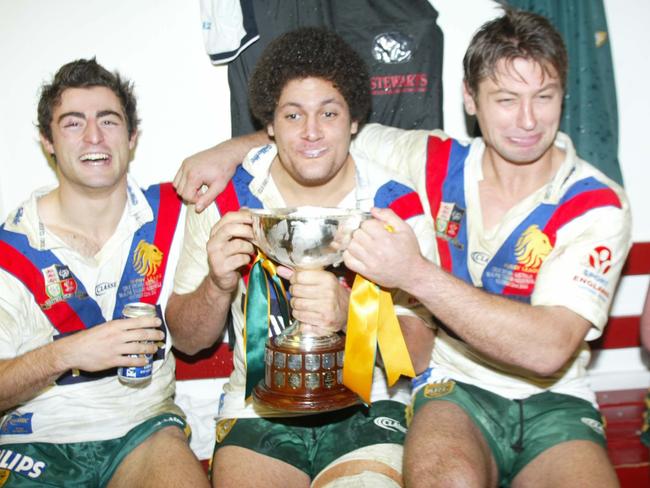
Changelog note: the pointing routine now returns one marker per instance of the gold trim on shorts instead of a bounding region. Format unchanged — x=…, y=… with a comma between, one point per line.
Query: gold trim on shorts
x=4, y=476
x=436, y=390
x=224, y=426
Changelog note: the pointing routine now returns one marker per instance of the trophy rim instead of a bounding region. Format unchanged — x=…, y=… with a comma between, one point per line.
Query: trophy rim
x=295, y=212
x=331, y=217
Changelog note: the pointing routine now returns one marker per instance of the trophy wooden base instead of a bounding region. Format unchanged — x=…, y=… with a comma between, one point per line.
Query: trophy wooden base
x=302, y=404
x=299, y=380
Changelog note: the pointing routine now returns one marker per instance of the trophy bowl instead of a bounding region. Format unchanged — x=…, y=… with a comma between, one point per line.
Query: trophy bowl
x=303, y=370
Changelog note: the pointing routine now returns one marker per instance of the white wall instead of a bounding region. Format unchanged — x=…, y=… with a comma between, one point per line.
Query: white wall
x=183, y=100
x=628, y=22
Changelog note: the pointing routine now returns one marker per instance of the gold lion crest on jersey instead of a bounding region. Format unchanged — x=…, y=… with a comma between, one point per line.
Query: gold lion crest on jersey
x=532, y=248
x=147, y=258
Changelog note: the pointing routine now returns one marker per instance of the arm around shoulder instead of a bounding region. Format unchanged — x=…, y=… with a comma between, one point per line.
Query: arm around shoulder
x=213, y=168
x=398, y=150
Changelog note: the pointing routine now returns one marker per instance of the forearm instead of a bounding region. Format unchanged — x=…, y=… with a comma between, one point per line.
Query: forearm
x=23, y=377
x=539, y=339
x=419, y=338
x=237, y=147
x=196, y=320
x=232, y=152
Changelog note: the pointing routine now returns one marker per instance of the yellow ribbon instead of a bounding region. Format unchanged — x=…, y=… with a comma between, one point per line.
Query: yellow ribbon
x=371, y=322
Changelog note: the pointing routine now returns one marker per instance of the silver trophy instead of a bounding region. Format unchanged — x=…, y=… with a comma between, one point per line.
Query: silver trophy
x=303, y=367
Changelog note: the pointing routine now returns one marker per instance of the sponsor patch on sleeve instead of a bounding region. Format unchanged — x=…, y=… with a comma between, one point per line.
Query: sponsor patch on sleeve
x=17, y=424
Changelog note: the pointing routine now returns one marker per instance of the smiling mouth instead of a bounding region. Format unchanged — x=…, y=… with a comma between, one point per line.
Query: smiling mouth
x=95, y=158
x=525, y=141
x=313, y=153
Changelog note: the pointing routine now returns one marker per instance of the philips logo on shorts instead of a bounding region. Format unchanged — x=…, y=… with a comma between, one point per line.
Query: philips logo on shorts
x=19, y=463
x=596, y=426
x=389, y=424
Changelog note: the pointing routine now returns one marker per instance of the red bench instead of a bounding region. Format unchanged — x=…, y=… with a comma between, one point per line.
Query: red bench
x=622, y=409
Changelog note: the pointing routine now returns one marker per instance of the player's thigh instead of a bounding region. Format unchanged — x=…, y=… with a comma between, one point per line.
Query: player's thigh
x=571, y=463
x=444, y=447
x=234, y=466
x=164, y=459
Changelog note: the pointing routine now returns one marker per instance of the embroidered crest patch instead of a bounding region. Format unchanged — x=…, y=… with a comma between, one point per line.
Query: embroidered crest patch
x=436, y=390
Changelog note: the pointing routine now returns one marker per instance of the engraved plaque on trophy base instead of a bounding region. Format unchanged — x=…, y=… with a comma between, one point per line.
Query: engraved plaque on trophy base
x=304, y=380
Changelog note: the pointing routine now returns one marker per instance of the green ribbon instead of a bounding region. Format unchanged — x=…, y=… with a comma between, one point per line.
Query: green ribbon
x=257, y=310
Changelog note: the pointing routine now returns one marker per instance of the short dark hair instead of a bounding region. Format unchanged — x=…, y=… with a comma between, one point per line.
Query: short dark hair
x=85, y=73
x=304, y=53
x=516, y=34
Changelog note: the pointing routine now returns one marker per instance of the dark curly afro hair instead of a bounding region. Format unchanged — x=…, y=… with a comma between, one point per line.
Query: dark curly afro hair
x=309, y=52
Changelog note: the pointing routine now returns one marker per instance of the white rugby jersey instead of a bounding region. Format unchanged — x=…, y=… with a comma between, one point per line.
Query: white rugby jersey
x=564, y=245
x=89, y=410
x=193, y=267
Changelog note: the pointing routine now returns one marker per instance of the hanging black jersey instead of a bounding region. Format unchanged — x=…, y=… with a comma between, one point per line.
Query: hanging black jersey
x=400, y=42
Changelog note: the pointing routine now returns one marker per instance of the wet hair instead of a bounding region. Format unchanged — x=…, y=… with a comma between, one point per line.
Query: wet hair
x=85, y=73
x=517, y=34
x=309, y=52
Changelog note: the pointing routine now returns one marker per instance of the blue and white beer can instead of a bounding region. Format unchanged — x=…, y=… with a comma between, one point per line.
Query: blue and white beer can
x=137, y=375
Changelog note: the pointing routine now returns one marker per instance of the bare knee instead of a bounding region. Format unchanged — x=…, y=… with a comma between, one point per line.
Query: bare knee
x=445, y=448
x=163, y=459
x=447, y=470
